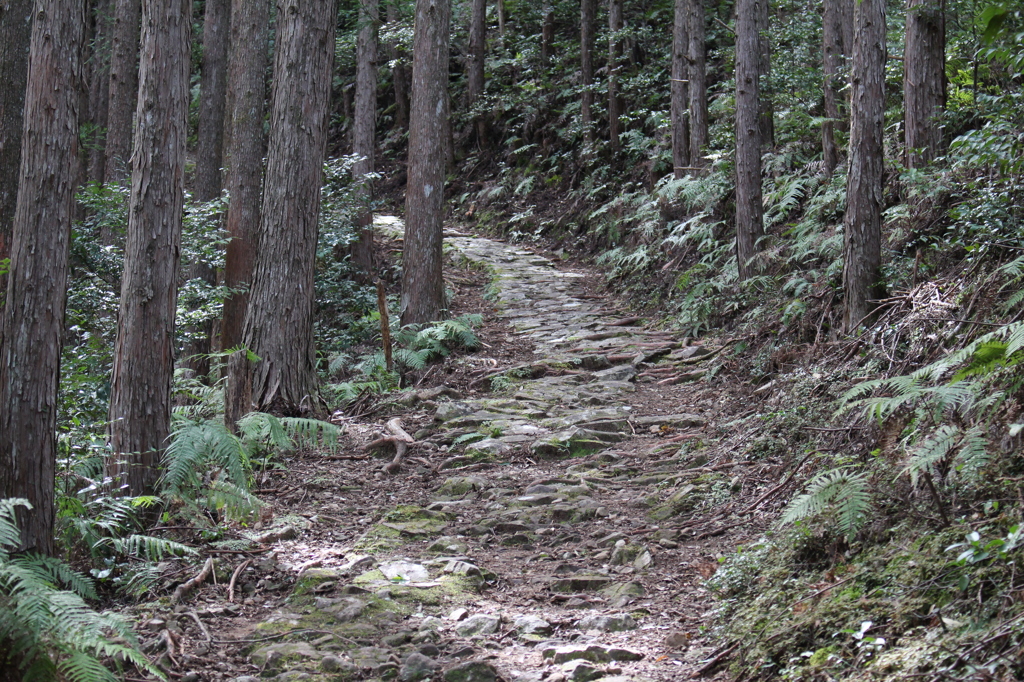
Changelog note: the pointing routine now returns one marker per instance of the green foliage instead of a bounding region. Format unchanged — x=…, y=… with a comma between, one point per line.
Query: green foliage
x=843, y=493
x=47, y=631
x=423, y=344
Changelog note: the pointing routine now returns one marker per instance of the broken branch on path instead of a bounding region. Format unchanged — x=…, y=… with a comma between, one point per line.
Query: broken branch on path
x=401, y=441
x=234, y=578
x=184, y=589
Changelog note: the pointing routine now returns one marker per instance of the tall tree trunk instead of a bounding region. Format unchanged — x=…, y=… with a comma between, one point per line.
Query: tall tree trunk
x=614, y=66
x=766, y=102
x=364, y=132
x=863, y=220
x=680, y=90
x=500, y=6
x=399, y=74
x=15, y=31
x=99, y=89
x=250, y=33
x=547, y=34
x=422, y=280
x=279, y=323
x=833, y=57
x=477, y=57
x=924, y=80
x=34, y=317
x=210, y=159
x=698, y=89
x=749, y=211
x=140, y=396
x=212, y=98
x=124, y=87
x=588, y=22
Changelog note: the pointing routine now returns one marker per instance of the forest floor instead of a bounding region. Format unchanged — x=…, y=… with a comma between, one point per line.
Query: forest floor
x=569, y=489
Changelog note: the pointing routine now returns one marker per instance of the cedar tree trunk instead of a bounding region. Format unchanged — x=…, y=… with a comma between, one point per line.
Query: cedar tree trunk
x=99, y=89
x=834, y=53
x=614, y=65
x=422, y=280
x=749, y=210
x=364, y=132
x=140, y=396
x=924, y=80
x=698, y=84
x=680, y=90
x=279, y=322
x=863, y=220
x=124, y=87
x=588, y=22
x=15, y=31
x=477, y=57
x=34, y=316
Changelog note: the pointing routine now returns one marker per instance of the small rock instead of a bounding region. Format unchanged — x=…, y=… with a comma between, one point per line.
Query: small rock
x=595, y=653
x=588, y=583
x=536, y=500
x=404, y=570
x=358, y=563
x=417, y=667
x=275, y=652
x=645, y=560
x=333, y=664
x=480, y=624
x=458, y=614
x=344, y=610
x=456, y=567
x=430, y=650
x=581, y=671
x=532, y=625
x=430, y=623
x=540, y=489
x=608, y=623
x=677, y=640
x=472, y=671
x=277, y=534
x=447, y=545
x=619, y=373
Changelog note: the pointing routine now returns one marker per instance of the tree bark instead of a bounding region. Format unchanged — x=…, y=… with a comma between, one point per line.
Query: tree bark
x=547, y=34
x=364, y=132
x=422, y=280
x=680, y=90
x=833, y=56
x=124, y=87
x=614, y=65
x=500, y=5
x=924, y=80
x=99, y=89
x=749, y=210
x=588, y=21
x=34, y=316
x=279, y=322
x=250, y=26
x=765, y=103
x=698, y=90
x=477, y=57
x=213, y=95
x=863, y=219
x=399, y=74
x=15, y=31
x=210, y=156
x=140, y=397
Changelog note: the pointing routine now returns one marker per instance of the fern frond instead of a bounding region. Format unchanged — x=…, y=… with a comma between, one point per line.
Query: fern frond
x=844, y=490
x=926, y=456
x=973, y=455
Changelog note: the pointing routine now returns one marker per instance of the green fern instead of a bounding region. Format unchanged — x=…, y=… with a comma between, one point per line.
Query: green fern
x=47, y=631
x=840, y=491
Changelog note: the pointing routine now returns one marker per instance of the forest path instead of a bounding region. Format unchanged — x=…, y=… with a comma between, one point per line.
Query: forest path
x=554, y=521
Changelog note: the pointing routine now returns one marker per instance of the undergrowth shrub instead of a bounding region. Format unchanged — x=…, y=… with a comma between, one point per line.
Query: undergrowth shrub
x=47, y=630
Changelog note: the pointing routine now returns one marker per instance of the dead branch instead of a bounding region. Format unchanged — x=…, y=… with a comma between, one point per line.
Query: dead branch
x=184, y=589
x=234, y=578
x=206, y=633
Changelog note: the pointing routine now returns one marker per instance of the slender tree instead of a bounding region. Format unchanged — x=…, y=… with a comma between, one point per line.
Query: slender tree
x=864, y=182
x=698, y=90
x=588, y=23
x=15, y=30
x=210, y=159
x=124, y=87
x=924, y=80
x=250, y=28
x=364, y=131
x=99, y=89
x=279, y=321
x=547, y=33
x=834, y=52
x=749, y=211
x=765, y=101
x=614, y=66
x=680, y=89
x=477, y=56
x=140, y=396
x=422, y=282
x=399, y=73
x=34, y=316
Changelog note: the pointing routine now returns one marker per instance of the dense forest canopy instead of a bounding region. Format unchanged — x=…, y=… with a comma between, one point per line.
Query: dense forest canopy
x=191, y=278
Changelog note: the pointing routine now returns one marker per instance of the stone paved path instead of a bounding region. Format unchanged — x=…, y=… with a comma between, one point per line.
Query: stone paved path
x=537, y=539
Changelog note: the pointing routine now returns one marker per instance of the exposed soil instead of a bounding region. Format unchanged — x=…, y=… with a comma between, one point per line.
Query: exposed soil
x=527, y=546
